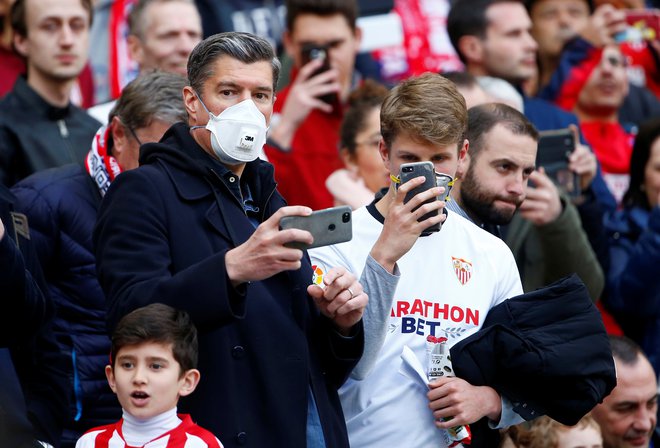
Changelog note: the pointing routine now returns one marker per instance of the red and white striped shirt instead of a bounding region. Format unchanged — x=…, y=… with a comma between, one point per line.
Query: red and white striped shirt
x=186, y=435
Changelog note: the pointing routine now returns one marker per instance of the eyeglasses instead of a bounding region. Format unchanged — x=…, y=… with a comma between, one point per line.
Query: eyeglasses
x=371, y=142
x=132, y=131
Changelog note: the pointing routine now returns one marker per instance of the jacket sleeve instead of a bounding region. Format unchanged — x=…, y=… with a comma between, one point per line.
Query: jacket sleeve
x=134, y=263
x=25, y=307
x=633, y=285
x=568, y=250
x=44, y=222
x=8, y=163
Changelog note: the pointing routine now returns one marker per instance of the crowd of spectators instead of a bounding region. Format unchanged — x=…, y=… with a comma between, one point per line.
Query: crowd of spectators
x=93, y=90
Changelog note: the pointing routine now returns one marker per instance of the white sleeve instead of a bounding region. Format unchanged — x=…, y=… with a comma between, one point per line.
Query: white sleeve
x=509, y=284
x=508, y=418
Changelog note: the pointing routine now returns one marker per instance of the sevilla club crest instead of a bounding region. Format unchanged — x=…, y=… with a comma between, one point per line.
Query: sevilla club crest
x=462, y=268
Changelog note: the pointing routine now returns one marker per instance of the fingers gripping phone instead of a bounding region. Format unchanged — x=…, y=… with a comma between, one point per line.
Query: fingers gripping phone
x=310, y=52
x=328, y=226
x=554, y=149
x=431, y=179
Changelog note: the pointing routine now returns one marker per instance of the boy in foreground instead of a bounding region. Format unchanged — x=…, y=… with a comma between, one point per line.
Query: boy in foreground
x=153, y=360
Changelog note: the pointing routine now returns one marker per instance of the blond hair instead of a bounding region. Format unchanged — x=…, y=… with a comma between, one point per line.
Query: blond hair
x=543, y=431
x=428, y=109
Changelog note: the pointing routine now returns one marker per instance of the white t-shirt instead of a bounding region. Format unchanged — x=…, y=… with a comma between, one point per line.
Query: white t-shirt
x=449, y=281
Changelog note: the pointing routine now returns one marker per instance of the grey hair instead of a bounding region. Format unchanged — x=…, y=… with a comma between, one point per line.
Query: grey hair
x=152, y=96
x=244, y=47
x=137, y=18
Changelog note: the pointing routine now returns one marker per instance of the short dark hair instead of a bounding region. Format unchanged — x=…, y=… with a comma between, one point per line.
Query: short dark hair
x=468, y=18
x=347, y=8
x=362, y=100
x=244, y=47
x=154, y=95
x=484, y=117
x=529, y=4
x=648, y=133
x=462, y=79
x=19, y=15
x=625, y=350
x=427, y=108
x=159, y=323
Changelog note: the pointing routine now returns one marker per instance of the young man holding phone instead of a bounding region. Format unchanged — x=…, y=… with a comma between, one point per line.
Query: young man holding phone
x=441, y=286
x=303, y=139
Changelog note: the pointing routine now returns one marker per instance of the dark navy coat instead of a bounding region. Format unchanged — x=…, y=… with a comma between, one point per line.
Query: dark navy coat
x=162, y=234
x=61, y=204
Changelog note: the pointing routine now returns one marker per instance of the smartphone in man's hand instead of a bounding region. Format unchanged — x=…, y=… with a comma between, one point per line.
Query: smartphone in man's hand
x=554, y=149
x=328, y=226
x=310, y=52
x=410, y=171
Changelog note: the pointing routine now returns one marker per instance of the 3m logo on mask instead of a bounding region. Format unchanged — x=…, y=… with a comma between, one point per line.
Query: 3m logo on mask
x=248, y=137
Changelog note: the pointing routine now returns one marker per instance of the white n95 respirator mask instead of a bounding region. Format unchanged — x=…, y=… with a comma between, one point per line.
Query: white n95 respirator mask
x=238, y=133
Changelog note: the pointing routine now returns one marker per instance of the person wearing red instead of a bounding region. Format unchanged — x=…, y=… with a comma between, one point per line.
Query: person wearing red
x=153, y=360
x=303, y=140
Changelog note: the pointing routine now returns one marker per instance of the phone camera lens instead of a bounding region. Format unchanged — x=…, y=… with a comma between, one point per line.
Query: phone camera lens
x=407, y=169
x=331, y=227
x=346, y=217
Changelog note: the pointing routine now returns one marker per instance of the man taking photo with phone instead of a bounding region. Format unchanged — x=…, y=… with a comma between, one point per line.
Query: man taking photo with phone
x=421, y=288
x=322, y=39
x=196, y=226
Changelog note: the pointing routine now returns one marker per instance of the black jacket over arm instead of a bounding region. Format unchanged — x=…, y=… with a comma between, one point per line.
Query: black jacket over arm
x=161, y=236
x=546, y=351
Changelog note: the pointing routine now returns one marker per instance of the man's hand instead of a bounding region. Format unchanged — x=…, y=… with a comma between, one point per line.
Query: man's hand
x=342, y=300
x=303, y=97
x=2, y=229
x=401, y=229
x=603, y=25
x=461, y=403
x=264, y=254
x=542, y=204
x=583, y=162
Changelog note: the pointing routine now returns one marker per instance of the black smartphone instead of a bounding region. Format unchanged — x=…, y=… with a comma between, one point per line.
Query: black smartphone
x=554, y=149
x=412, y=170
x=328, y=226
x=310, y=52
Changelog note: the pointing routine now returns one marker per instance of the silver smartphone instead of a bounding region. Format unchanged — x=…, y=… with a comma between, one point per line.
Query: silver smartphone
x=328, y=226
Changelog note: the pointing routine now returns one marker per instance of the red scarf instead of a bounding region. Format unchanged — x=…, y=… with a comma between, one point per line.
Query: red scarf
x=102, y=167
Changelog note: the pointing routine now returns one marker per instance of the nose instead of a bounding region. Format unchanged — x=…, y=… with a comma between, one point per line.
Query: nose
x=644, y=420
x=516, y=185
x=66, y=35
x=139, y=375
x=185, y=44
x=531, y=42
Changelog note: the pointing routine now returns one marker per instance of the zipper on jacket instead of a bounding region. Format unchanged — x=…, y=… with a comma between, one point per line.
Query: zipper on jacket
x=64, y=132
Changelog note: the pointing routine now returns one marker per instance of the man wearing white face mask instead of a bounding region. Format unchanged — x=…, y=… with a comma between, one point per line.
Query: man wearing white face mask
x=196, y=226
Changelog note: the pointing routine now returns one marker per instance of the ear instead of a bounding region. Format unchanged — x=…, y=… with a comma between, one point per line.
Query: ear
x=21, y=45
x=358, y=39
x=463, y=160
x=135, y=51
x=348, y=159
x=472, y=48
x=188, y=382
x=192, y=104
x=119, y=137
x=110, y=375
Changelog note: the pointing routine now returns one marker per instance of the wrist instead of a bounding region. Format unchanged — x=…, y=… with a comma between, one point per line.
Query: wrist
x=381, y=257
x=494, y=404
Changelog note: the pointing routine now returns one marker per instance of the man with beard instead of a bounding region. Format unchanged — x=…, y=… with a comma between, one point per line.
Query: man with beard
x=545, y=233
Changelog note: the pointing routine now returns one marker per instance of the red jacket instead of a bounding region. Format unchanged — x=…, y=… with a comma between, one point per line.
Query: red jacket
x=301, y=172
